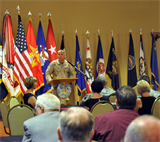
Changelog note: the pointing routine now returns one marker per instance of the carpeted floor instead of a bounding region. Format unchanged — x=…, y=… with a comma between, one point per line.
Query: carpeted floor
x=2, y=132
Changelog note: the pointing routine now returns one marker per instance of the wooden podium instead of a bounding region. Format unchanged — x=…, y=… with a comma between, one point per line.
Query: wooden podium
x=61, y=80
x=64, y=101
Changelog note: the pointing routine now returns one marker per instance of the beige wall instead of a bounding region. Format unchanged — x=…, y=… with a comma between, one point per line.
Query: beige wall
x=105, y=15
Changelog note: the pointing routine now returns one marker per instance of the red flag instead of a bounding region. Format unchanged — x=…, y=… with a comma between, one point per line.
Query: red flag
x=22, y=62
x=8, y=57
x=34, y=55
x=51, y=43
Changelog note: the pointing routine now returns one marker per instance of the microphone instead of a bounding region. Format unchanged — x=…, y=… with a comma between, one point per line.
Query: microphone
x=71, y=63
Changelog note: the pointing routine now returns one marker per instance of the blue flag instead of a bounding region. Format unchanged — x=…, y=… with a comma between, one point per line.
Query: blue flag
x=154, y=66
x=43, y=52
x=80, y=84
x=112, y=67
x=100, y=69
x=132, y=75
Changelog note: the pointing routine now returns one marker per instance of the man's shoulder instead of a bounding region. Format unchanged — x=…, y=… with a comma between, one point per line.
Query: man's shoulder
x=55, y=61
x=107, y=91
x=41, y=117
x=154, y=93
x=119, y=112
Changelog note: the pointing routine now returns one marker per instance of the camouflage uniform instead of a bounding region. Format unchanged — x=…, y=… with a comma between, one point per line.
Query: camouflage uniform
x=59, y=70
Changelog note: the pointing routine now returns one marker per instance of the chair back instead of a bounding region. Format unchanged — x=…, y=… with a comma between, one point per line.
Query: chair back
x=112, y=98
x=101, y=107
x=16, y=116
x=4, y=113
x=155, y=111
x=13, y=101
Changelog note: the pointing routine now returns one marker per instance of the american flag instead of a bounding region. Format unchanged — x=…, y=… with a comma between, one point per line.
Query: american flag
x=22, y=62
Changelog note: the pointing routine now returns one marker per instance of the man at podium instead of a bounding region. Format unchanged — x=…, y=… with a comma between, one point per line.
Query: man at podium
x=59, y=68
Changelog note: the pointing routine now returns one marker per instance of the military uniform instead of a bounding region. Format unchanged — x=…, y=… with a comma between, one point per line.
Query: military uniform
x=59, y=70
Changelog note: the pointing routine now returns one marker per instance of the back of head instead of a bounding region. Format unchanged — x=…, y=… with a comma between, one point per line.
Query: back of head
x=144, y=77
x=76, y=124
x=97, y=86
x=145, y=128
x=102, y=78
x=48, y=101
x=29, y=82
x=142, y=87
x=126, y=97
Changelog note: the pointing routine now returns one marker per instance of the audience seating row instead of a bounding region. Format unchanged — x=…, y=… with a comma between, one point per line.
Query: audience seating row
x=14, y=115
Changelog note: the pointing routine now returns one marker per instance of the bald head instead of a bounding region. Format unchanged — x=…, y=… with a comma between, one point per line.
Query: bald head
x=76, y=124
x=61, y=56
x=145, y=128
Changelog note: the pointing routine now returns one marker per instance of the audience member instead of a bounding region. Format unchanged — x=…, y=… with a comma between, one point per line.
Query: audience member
x=97, y=86
x=143, y=129
x=111, y=126
x=106, y=91
x=43, y=127
x=146, y=100
x=153, y=93
x=31, y=84
x=76, y=125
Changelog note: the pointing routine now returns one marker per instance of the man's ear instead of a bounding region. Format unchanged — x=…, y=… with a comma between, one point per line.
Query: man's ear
x=59, y=134
x=117, y=104
x=42, y=109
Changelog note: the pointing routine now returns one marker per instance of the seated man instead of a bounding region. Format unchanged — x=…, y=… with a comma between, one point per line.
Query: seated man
x=111, y=126
x=105, y=92
x=43, y=127
x=76, y=125
x=153, y=93
x=143, y=129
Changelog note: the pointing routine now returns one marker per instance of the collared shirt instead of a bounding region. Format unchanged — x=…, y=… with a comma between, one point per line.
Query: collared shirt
x=111, y=126
x=105, y=92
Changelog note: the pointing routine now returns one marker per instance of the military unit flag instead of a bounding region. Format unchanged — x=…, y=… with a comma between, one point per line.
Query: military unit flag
x=11, y=84
x=3, y=90
x=112, y=67
x=34, y=55
x=132, y=75
x=80, y=84
x=44, y=57
x=51, y=43
x=62, y=43
x=100, y=69
x=88, y=68
x=154, y=66
x=142, y=63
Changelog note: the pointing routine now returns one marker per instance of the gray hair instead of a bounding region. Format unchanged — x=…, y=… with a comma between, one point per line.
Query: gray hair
x=126, y=97
x=145, y=128
x=102, y=78
x=143, y=86
x=76, y=124
x=48, y=101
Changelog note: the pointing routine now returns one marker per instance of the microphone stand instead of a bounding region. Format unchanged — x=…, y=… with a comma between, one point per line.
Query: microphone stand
x=78, y=70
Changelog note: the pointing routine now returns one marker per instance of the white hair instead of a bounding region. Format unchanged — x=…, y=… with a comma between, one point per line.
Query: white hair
x=48, y=101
